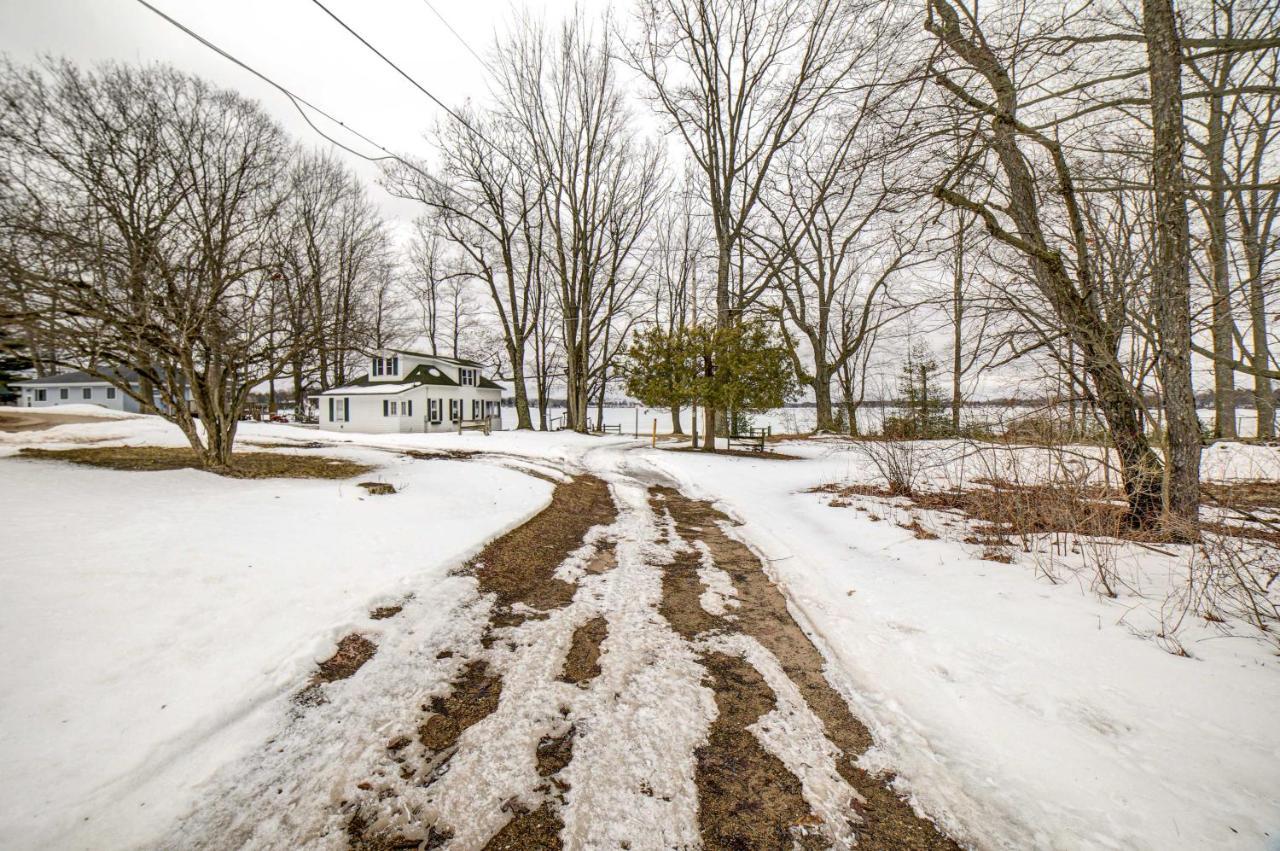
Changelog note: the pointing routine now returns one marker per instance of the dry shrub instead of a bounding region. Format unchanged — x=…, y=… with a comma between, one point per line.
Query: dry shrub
x=901, y=463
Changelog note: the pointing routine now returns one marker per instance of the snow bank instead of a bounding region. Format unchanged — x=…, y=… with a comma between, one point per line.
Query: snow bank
x=1019, y=713
x=154, y=622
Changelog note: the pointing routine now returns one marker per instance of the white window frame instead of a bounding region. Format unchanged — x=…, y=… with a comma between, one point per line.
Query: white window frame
x=377, y=366
x=63, y=393
x=111, y=392
x=42, y=396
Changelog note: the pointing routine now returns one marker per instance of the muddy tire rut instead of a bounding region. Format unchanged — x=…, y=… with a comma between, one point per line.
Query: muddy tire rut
x=531, y=728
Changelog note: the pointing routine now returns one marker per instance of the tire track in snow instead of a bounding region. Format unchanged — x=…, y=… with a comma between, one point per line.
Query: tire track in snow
x=607, y=664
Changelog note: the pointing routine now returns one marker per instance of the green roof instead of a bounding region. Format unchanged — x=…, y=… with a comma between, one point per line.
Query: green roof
x=418, y=375
x=492, y=385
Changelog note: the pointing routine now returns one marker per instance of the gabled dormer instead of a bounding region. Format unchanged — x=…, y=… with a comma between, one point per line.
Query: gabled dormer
x=385, y=365
x=392, y=365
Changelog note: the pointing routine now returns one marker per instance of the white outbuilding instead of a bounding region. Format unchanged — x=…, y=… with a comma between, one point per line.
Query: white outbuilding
x=77, y=388
x=412, y=392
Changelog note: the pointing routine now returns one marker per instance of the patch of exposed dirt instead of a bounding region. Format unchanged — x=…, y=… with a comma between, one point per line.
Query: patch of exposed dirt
x=582, y=663
x=475, y=696
x=529, y=830
x=286, y=444
x=889, y=822
x=681, y=603
x=383, y=612
x=520, y=566
x=554, y=754
x=441, y=454
x=746, y=796
x=32, y=420
x=353, y=651
x=244, y=465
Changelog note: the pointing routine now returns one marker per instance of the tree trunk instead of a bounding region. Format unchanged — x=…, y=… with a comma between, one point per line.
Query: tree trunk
x=1223, y=327
x=957, y=324
x=676, y=428
x=1171, y=271
x=523, y=420
x=825, y=419
x=1260, y=359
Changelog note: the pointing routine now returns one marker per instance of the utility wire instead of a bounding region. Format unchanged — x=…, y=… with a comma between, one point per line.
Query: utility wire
x=407, y=76
x=457, y=35
x=298, y=102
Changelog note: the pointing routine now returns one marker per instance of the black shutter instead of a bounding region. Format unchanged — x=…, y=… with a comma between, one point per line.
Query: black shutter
x=331, y=418
x=346, y=410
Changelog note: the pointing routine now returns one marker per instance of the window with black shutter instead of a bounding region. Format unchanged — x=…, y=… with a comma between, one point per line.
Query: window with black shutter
x=331, y=417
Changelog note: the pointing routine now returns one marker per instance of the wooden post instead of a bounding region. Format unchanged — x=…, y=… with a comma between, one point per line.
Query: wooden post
x=655, y=434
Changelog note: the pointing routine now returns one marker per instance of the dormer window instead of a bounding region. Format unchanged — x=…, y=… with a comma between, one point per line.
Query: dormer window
x=467, y=377
x=386, y=366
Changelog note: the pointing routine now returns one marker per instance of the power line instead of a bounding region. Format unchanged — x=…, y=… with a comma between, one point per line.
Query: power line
x=457, y=35
x=297, y=100
x=407, y=76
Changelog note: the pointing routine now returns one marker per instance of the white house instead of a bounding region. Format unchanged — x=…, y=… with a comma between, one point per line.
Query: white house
x=412, y=392
x=77, y=388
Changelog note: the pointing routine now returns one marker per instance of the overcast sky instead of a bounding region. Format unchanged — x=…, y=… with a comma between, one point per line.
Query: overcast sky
x=295, y=43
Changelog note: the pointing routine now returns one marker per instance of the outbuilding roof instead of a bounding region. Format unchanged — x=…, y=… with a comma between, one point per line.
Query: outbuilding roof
x=78, y=377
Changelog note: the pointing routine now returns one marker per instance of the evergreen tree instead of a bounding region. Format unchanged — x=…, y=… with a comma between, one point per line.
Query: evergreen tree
x=742, y=368
x=917, y=388
x=13, y=362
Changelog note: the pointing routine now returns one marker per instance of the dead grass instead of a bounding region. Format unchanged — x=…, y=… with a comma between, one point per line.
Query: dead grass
x=244, y=465
x=1257, y=494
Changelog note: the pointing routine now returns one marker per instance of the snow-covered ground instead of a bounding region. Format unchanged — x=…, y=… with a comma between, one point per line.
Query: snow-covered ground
x=154, y=623
x=637, y=418
x=157, y=623
x=1021, y=713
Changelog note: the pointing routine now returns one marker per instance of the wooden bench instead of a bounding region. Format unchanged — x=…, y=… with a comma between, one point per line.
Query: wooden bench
x=610, y=429
x=753, y=439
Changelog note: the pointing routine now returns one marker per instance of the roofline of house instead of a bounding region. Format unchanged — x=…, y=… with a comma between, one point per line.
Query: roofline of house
x=445, y=358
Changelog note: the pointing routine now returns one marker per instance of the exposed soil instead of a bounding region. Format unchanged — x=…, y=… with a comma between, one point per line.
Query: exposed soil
x=746, y=797
x=383, y=612
x=353, y=651
x=889, y=821
x=582, y=663
x=33, y=420
x=244, y=465
x=520, y=566
x=475, y=695
x=377, y=488
x=529, y=830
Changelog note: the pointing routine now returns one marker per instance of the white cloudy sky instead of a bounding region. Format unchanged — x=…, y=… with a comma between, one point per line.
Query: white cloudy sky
x=295, y=43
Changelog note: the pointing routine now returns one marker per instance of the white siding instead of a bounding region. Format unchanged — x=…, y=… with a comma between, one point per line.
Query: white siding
x=97, y=395
x=366, y=417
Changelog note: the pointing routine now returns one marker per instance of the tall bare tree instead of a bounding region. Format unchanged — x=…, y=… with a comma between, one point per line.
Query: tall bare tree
x=138, y=206
x=597, y=180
